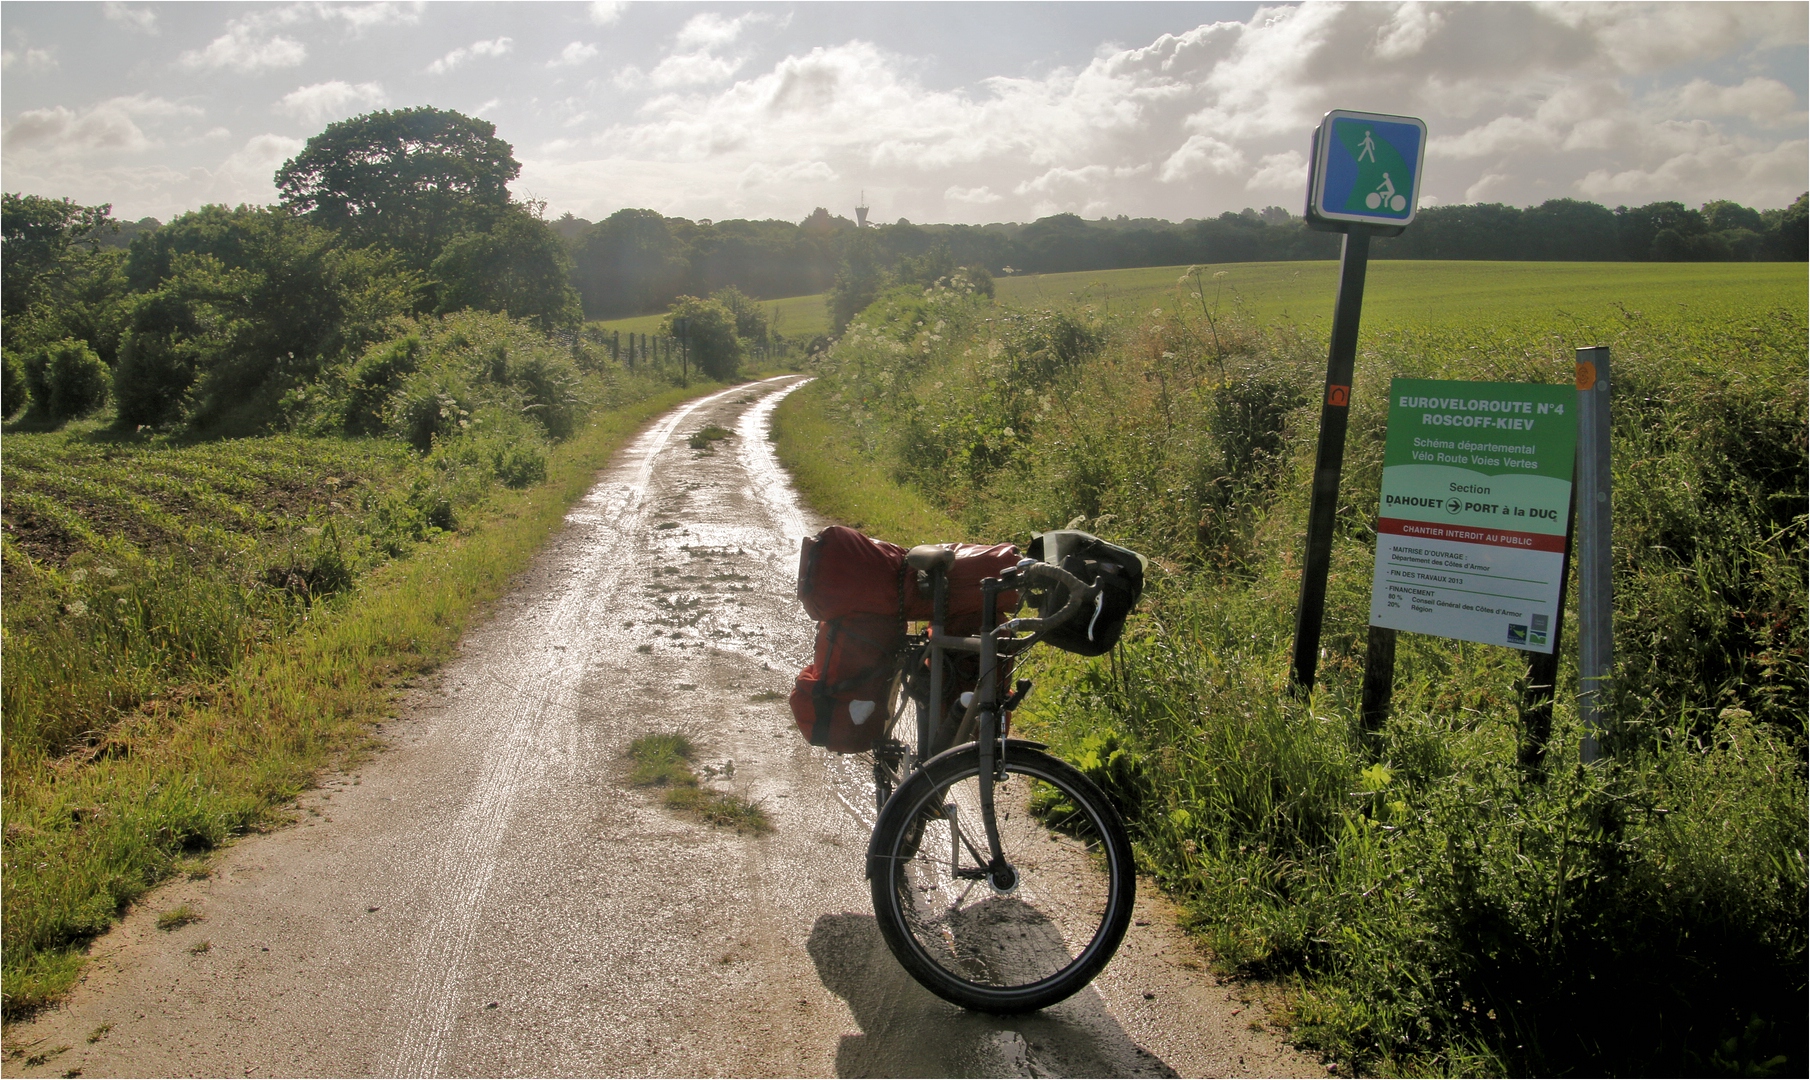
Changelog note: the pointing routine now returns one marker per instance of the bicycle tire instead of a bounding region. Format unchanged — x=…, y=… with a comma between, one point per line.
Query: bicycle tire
x=965, y=941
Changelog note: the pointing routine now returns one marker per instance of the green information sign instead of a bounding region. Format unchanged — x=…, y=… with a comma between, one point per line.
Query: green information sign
x=1475, y=502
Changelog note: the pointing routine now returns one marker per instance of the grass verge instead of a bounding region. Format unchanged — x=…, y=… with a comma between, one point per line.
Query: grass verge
x=665, y=761
x=1433, y=906
x=843, y=483
x=88, y=833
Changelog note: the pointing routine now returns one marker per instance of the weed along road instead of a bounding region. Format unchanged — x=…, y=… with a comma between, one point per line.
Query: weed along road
x=489, y=894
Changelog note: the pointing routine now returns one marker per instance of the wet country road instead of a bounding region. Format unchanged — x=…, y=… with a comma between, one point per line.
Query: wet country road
x=489, y=896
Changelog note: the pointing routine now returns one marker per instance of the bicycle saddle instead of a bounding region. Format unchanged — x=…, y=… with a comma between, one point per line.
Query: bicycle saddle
x=928, y=557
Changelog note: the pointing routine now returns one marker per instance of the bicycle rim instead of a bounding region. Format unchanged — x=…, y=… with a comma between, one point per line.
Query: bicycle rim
x=1003, y=951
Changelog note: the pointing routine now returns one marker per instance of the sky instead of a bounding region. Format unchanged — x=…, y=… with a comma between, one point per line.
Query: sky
x=938, y=112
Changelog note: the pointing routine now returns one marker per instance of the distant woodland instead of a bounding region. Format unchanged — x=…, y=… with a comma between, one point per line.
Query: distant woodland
x=220, y=318
x=634, y=260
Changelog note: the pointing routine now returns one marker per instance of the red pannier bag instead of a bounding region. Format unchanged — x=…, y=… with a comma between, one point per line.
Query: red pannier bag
x=841, y=572
x=861, y=592
x=839, y=702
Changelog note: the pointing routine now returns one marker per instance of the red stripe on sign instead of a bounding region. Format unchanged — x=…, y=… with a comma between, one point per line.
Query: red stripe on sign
x=1471, y=534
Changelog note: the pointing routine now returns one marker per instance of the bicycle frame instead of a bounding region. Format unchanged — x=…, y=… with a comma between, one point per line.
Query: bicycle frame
x=936, y=731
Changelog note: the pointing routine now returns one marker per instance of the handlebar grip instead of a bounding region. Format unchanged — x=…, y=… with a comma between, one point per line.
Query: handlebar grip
x=1078, y=593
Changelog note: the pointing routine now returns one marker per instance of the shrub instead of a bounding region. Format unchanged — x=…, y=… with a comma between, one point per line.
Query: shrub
x=709, y=333
x=375, y=380
x=67, y=380
x=14, y=391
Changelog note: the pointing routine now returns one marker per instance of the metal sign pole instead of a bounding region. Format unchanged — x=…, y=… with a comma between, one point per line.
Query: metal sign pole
x=1335, y=412
x=1595, y=563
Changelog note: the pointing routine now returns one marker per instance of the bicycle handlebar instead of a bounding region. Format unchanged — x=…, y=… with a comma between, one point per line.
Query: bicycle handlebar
x=1078, y=593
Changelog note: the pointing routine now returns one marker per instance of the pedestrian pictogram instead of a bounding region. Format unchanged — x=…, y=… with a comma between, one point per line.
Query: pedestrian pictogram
x=1366, y=169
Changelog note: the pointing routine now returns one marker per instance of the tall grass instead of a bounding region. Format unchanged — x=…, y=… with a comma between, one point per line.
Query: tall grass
x=1435, y=908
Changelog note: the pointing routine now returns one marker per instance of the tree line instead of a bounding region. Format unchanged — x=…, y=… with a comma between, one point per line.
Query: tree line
x=215, y=321
x=327, y=309
x=635, y=261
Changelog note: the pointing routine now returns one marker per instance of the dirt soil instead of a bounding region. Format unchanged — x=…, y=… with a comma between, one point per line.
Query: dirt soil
x=490, y=896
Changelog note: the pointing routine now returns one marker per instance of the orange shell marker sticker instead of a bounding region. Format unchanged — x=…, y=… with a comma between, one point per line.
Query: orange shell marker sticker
x=1586, y=375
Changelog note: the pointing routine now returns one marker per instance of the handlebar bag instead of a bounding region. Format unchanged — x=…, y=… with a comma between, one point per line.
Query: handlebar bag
x=840, y=701
x=841, y=573
x=1116, y=571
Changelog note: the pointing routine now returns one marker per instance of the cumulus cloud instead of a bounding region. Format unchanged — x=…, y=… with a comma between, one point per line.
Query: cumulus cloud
x=142, y=19
x=333, y=100
x=111, y=125
x=1286, y=171
x=1201, y=153
x=1523, y=102
x=261, y=156
x=1527, y=101
x=695, y=60
x=364, y=16
x=711, y=31
x=247, y=46
x=572, y=55
x=477, y=49
x=30, y=59
x=974, y=196
x=760, y=174
x=1761, y=100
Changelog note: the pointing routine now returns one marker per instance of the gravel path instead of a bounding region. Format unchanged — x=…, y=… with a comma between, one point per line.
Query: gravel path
x=489, y=896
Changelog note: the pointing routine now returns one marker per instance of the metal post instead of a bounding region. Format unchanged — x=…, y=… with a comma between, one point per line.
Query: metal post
x=1379, y=679
x=1543, y=668
x=1335, y=412
x=1595, y=563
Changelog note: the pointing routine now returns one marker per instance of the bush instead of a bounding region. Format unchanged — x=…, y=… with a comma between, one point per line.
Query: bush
x=375, y=380
x=14, y=391
x=710, y=335
x=67, y=380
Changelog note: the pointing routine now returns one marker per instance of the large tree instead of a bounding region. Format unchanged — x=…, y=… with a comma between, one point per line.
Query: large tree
x=518, y=266
x=628, y=263
x=59, y=280
x=411, y=179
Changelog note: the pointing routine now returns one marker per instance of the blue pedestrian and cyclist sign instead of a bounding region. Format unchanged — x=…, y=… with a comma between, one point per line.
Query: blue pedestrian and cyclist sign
x=1366, y=168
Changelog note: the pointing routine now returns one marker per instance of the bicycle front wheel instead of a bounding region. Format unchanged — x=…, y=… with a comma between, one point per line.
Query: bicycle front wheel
x=981, y=947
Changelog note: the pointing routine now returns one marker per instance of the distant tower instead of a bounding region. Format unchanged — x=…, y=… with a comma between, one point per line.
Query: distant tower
x=861, y=212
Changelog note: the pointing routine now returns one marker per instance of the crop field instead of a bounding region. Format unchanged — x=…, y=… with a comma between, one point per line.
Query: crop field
x=1587, y=296
x=799, y=318
x=1584, y=298
x=193, y=628
x=1450, y=892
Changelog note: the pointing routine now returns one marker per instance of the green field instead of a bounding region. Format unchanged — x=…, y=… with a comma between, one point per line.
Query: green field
x=1400, y=293
x=1397, y=293
x=799, y=318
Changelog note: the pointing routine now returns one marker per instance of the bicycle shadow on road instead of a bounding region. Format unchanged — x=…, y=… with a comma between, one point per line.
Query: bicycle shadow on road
x=908, y=1031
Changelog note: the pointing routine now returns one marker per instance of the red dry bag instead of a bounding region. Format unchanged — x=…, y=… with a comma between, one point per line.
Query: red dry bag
x=840, y=701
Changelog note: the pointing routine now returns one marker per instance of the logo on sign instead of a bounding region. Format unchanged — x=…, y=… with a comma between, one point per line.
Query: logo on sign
x=1338, y=396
